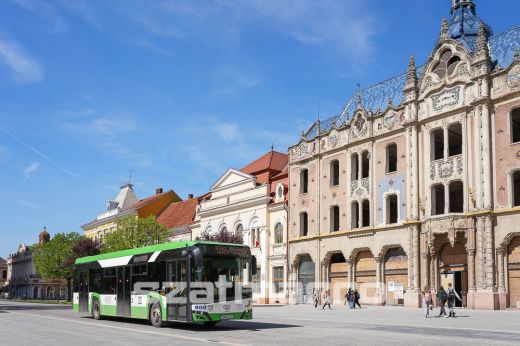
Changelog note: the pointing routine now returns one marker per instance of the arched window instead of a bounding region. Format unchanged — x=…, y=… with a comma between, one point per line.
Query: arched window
x=437, y=198
x=516, y=188
x=354, y=215
x=391, y=209
x=278, y=233
x=365, y=164
x=437, y=144
x=366, y=213
x=239, y=229
x=456, y=189
x=447, y=64
x=334, y=173
x=455, y=139
x=391, y=158
x=304, y=181
x=515, y=125
x=223, y=228
x=304, y=224
x=334, y=218
x=354, y=166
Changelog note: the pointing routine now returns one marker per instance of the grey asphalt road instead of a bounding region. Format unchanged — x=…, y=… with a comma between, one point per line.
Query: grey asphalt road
x=31, y=324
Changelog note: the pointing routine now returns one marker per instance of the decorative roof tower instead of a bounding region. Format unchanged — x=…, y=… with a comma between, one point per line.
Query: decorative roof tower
x=464, y=20
x=44, y=236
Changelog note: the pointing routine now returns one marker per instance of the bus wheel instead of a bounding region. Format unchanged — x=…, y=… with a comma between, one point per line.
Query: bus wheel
x=156, y=315
x=210, y=323
x=95, y=310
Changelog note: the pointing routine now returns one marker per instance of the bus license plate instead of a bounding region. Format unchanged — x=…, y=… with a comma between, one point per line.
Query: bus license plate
x=226, y=317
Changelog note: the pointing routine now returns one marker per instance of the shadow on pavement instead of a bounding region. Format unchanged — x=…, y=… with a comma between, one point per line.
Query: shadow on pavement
x=222, y=326
x=34, y=306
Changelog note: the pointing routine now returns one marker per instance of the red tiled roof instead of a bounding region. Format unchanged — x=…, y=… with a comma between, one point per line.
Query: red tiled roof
x=179, y=214
x=267, y=166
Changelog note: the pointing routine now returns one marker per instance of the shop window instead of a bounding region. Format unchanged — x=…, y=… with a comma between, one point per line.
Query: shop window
x=354, y=163
x=456, y=197
x=391, y=158
x=455, y=139
x=437, y=199
x=366, y=213
x=437, y=144
x=391, y=209
x=304, y=224
x=304, y=181
x=515, y=126
x=334, y=173
x=334, y=218
x=355, y=215
x=365, y=165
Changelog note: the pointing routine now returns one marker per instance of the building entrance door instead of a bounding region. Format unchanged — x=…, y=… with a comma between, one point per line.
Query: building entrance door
x=123, y=291
x=306, y=280
x=455, y=278
x=83, y=291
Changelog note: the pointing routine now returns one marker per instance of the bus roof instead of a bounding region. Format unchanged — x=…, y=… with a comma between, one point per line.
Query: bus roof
x=148, y=249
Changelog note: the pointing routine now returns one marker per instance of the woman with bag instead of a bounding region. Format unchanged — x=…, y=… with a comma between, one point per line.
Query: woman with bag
x=427, y=301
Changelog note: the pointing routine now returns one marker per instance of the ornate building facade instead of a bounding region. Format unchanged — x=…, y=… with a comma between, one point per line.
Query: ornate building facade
x=417, y=181
x=252, y=202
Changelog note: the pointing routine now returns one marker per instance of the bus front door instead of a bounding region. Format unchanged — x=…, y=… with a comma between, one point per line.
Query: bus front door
x=178, y=272
x=123, y=291
x=83, y=291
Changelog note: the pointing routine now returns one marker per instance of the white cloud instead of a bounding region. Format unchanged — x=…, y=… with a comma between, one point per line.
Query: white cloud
x=90, y=122
x=29, y=170
x=24, y=67
x=230, y=81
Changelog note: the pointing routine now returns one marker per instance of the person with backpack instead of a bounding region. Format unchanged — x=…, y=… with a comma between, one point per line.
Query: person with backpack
x=452, y=295
x=356, y=299
x=443, y=297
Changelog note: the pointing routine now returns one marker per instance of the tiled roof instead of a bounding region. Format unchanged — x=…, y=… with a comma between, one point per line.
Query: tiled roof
x=267, y=166
x=502, y=49
x=179, y=214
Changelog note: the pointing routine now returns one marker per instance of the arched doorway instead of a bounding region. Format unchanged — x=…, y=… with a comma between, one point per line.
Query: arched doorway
x=338, y=276
x=366, y=280
x=454, y=268
x=50, y=292
x=396, y=275
x=306, y=279
x=513, y=270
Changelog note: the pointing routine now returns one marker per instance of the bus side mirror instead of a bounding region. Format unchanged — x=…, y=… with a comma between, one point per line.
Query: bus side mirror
x=253, y=265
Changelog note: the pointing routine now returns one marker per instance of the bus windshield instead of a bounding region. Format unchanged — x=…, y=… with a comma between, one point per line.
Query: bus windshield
x=232, y=269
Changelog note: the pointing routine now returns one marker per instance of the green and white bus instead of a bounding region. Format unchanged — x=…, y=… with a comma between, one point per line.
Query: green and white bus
x=178, y=281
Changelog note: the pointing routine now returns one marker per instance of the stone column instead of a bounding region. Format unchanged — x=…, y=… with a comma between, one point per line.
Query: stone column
x=351, y=274
x=490, y=258
x=425, y=269
x=471, y=270
x=501, y=274
x=379, y=279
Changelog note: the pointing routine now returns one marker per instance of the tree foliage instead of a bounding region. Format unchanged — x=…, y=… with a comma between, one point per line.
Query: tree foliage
x=52, y=259
x=82, y=248
x=133, y=232
x=222, y=236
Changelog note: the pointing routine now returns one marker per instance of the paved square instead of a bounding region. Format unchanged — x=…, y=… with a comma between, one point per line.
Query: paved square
x=27, y=324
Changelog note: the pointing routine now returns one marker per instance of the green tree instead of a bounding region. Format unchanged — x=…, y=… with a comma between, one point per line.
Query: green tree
x=52, y=259
x=132, y=232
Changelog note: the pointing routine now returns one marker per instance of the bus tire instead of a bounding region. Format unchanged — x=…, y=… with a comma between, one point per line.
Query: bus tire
x=155, y=316
x=96, y=313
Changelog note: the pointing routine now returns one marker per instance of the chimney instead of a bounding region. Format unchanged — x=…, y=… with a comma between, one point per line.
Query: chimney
x=158, y=190
x=190, y=196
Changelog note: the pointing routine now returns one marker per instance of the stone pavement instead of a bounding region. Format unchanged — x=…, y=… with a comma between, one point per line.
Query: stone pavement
x=29, y=324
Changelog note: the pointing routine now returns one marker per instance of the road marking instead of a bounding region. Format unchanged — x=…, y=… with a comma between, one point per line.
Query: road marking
x=96, y=324
x=394, y=325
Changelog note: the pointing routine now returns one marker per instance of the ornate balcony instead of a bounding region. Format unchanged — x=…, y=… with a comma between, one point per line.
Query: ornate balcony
x=443, y=170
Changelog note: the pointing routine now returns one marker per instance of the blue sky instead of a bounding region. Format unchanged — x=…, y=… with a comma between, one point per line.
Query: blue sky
x=177, y=91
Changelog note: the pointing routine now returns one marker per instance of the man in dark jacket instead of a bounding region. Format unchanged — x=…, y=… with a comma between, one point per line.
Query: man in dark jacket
x=443, y=297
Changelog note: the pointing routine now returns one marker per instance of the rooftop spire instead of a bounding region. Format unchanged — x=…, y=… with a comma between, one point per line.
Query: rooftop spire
x=482, y=40
x=456, y=4
x=444, y=28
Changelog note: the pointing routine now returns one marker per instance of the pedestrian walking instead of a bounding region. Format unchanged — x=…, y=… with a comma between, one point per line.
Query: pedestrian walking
x=452, y=295
x=356, y=299
x=316, y=299
x=443, y=298
x=427, y=301
x=326, y=299
x=349, y=297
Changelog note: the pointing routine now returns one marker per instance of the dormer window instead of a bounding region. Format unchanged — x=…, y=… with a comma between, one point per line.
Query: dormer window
x=447, y=64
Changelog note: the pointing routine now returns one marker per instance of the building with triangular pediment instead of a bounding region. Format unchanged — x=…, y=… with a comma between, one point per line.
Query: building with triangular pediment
x=252, y=202
x=416, y=182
